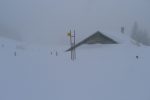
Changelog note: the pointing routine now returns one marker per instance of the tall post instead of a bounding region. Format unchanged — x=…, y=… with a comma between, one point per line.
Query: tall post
x=74, y=45
x=70, y=35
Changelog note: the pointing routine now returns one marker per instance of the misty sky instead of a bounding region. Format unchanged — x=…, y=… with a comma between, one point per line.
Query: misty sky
x=47, y=21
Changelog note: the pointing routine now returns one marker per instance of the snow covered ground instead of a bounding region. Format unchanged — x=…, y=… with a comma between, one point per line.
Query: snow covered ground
x=100, y=72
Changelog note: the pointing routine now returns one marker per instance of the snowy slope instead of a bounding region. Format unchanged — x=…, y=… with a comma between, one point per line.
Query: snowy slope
x=100, y=72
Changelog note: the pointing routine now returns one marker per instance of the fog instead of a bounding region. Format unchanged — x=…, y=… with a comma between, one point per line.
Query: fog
x=48, y=21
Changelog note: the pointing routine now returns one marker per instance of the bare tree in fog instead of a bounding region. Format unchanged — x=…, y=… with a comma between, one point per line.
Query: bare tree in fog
x=140, y=36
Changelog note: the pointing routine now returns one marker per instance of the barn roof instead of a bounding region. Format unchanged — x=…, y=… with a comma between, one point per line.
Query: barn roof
x=96, y=38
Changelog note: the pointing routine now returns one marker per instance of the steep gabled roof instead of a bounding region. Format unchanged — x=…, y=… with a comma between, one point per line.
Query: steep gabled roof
x=96, y=38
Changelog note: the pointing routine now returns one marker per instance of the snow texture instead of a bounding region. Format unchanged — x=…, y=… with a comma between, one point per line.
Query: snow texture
x=100, y=72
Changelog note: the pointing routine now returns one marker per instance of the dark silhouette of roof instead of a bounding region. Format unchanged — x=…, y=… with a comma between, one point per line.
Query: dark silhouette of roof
x=96, y=38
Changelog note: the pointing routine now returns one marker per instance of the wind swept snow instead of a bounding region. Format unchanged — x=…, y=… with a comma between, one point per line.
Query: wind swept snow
x=100, y=72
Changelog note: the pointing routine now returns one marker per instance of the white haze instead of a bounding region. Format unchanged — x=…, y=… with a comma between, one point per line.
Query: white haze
x=48, y=21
